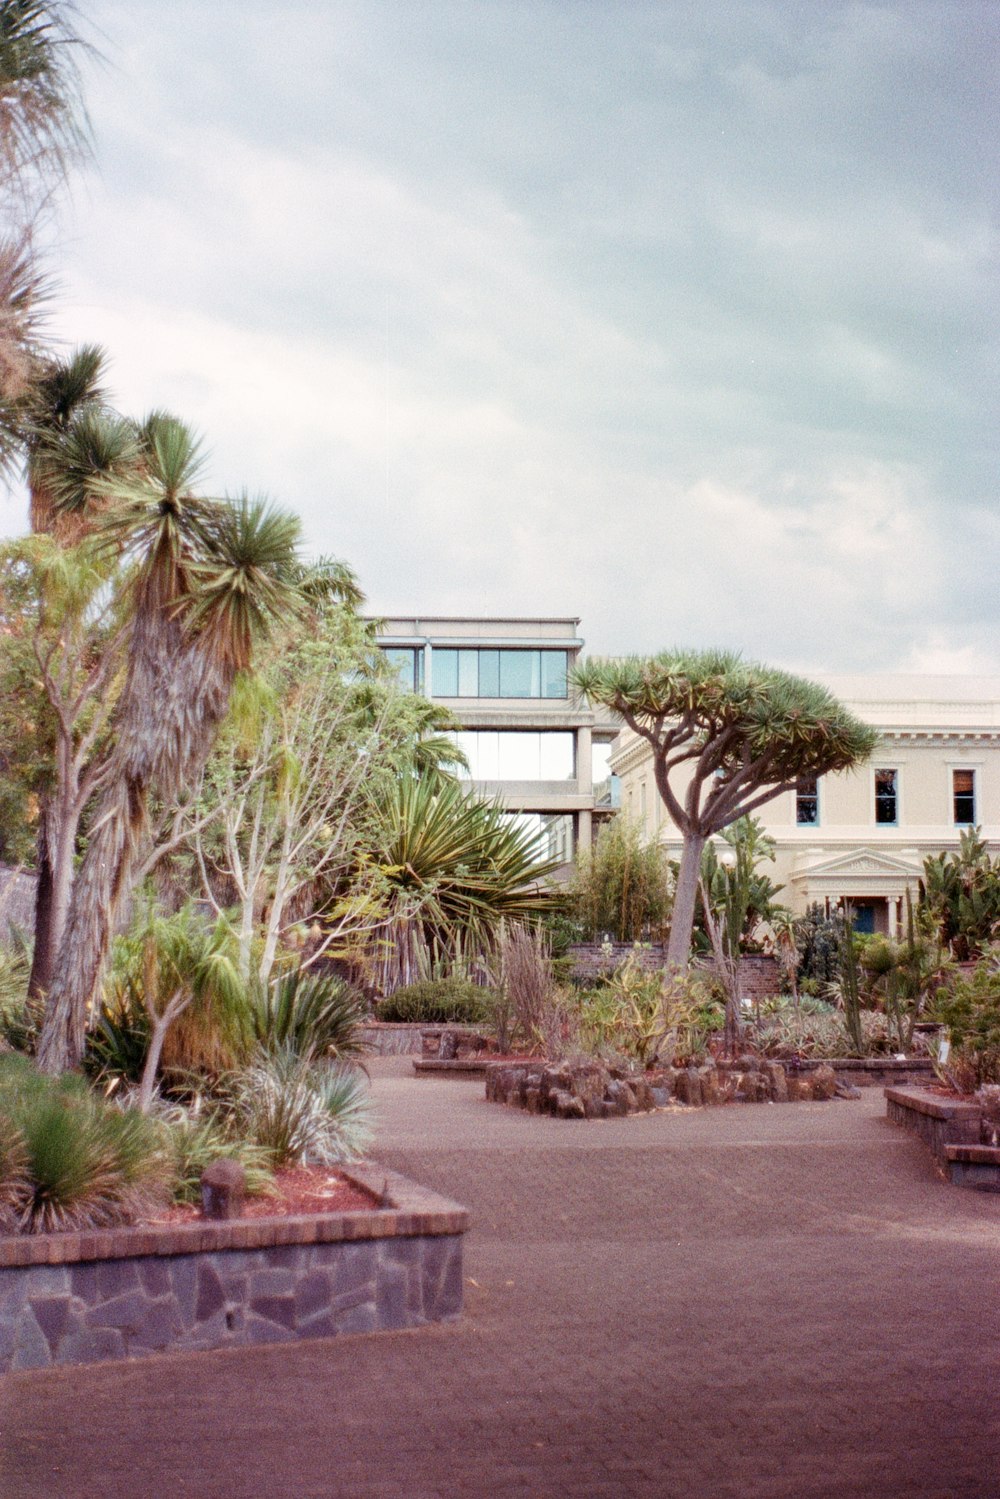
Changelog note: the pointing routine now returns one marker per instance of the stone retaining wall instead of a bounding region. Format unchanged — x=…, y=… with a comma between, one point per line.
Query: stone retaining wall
x=871, y=1072
x=593, y=961
x=124, y=1293
x=594, y=1090
x=938, y=1120
x=387, y=1038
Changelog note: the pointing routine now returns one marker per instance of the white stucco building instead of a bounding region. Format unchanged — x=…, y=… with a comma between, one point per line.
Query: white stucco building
x=860, y=837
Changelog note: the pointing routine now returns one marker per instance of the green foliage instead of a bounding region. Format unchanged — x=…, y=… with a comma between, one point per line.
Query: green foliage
x=970, y=1008
x=817, y=1029
x=819, y=938
x=525, y=995
x=193, y=1141
x=747, y=714
x=119, y=1043
x=312, y=1015
x=20, y=1017
x=453, y=868
x=850, y=991
x=436, y=1002
x=632, y=1013
x=961, y=896
x=741, y=896
x=181, y=958
x=466, y=864
x=78, y=1162
x=302, y=1112
x=621, y=885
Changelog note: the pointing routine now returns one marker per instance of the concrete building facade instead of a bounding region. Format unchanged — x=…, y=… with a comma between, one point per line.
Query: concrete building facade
x=860, y=838
x=529, y=738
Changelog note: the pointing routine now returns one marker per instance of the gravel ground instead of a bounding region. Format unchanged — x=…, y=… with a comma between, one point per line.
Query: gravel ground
x=770, y=1300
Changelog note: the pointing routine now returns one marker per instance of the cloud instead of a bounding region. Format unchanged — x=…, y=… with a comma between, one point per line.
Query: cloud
x=680, y=318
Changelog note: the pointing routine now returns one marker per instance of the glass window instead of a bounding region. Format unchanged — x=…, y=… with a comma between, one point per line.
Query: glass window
x=554, y=664
x=886, y=796
x=520, y=674
x=408, y=663
x=488, y=684
x=554, y=832
x=444, y=673
x=499, y=673
x=468, y=673
x=963, y=787
x=557, y=756
x=807, y=801
x=513, y=755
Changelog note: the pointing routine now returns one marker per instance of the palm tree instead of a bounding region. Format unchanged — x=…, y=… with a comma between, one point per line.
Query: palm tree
x=66, y=399
x=209, y=579
x=21, y=296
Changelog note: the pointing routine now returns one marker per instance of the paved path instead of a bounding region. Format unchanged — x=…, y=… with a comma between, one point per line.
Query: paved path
x=779, y=1301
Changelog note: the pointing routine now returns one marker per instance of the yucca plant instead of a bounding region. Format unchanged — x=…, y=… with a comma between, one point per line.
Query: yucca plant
x=182, y=972
x=193, y=1141
x=454, y=867
x=15, y=1182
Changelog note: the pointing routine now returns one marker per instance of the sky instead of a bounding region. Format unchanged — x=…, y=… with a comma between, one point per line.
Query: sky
x=681, y=318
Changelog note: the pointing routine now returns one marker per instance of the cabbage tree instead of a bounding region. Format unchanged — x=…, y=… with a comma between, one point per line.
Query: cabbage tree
x=209, y=580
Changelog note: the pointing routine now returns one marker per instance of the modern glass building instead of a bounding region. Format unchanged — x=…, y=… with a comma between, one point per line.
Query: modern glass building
x=528, y=738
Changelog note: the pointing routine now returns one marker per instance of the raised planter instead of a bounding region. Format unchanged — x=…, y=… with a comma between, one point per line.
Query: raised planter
x=976, y=1166
x=938, y=1120
x=872, y=1072
x=77, y=1298
x=388, y=1038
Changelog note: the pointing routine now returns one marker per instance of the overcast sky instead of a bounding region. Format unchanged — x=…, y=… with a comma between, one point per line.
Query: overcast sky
x=678, y=317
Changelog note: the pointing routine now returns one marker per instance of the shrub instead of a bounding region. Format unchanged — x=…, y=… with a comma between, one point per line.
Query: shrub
x=436, y=1002
x=970, y=1009
x=194, y=1141
x=80, y=1163
x=20, y=1016
x=818, y=1030
x=524, y=1000
x=313, y=1015
x=622, y=1016
x=118, y=1045
x=622, y=885
x=302, y=1112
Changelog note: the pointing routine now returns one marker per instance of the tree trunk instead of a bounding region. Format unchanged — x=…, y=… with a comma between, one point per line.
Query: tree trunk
x=685, y=899
x=174, y=699
x=44, y=952
x=681, y=926
x=102, y=886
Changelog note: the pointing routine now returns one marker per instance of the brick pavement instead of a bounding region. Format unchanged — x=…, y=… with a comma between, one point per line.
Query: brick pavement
x=763, y=1301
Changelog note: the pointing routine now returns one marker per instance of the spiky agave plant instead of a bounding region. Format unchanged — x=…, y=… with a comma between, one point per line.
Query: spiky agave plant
x=461, y=862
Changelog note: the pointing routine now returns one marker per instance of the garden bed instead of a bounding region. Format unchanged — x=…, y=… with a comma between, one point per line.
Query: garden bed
x=595, y=1090
x=940, y=1119
x=74, y=1298
x=870, y=1072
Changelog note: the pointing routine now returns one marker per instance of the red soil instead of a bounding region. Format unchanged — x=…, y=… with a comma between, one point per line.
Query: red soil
x=297, y=1189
